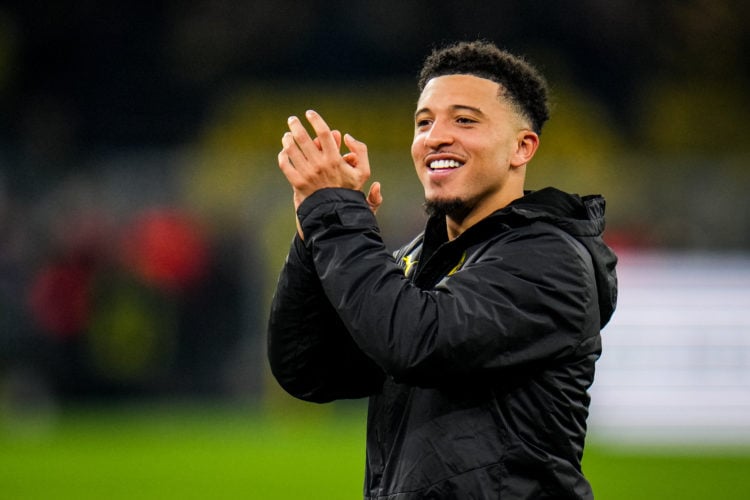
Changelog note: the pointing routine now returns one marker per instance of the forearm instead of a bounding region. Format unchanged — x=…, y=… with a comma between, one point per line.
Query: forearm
x=384, y=313
x=310, y=352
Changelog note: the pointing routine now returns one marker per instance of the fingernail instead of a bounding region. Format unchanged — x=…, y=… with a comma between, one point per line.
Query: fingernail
x=291, y=119
x=309, y=112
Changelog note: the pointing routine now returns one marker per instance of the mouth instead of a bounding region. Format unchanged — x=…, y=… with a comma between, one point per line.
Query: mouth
x=444, y=165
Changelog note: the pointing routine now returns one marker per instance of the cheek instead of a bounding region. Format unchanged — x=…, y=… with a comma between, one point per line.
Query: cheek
x=416, y=150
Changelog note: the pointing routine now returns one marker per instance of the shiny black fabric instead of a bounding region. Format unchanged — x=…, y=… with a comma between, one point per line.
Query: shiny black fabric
x=476, y=353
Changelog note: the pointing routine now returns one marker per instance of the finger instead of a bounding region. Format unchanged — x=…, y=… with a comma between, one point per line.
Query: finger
x=358, y=148
x=325, y=135
x=351, y=159
x=293, y=152
x=375, y=197
x=336, y=136
x=303, y=141
x=358, y=156
x=287, y=168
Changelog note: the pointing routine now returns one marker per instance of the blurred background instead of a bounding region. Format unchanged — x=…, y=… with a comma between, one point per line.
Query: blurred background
x=143, y=219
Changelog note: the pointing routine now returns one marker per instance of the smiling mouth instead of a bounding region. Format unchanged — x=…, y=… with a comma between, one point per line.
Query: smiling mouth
x=444, y=164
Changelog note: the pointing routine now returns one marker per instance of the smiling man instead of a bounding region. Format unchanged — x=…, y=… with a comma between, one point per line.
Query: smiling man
x=476, y=342
x=461, y=120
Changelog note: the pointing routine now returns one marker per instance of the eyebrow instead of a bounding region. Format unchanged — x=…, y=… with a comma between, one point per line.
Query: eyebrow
x=455, y=107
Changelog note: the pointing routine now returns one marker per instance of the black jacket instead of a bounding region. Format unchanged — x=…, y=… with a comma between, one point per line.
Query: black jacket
x=476, y=353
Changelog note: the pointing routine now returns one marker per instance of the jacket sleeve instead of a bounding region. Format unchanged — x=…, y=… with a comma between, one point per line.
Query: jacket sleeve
x=531, y=302
x=310, y=352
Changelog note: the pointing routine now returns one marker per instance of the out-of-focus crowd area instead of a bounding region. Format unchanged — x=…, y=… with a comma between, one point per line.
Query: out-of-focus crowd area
x=143, y=219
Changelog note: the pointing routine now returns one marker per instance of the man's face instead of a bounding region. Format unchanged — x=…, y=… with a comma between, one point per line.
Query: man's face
x=466, y=142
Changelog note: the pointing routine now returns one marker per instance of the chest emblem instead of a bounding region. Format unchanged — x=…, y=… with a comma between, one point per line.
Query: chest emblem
x=408, y=264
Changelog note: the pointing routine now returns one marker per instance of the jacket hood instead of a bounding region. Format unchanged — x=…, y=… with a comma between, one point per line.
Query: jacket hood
x=580, y=217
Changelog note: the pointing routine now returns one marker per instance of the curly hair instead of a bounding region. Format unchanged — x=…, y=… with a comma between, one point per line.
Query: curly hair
x=520, y=82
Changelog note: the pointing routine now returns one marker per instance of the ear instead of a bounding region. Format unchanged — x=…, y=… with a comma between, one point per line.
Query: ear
x=527, y=143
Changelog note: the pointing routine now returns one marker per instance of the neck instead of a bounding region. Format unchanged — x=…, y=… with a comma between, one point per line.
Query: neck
x=457, y=225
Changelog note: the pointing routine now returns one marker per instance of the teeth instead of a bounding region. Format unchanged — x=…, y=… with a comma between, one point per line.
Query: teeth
x=438, y=164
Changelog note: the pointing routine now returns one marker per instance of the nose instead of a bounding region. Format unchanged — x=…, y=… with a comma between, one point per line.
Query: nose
x=439, y=135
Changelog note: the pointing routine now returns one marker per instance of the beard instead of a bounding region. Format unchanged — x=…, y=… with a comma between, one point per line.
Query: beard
x=456, y=208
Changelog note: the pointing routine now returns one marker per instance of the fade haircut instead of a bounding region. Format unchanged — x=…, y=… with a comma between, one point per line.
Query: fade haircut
x=521, y=84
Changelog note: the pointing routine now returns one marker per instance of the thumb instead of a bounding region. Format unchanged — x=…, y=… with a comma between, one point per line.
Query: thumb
x=375, y=197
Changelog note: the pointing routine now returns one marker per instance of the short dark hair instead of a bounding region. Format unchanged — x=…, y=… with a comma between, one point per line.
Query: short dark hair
x=520, y=82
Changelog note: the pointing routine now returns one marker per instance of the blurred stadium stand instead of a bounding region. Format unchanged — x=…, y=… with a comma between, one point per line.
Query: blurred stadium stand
x=676, y=362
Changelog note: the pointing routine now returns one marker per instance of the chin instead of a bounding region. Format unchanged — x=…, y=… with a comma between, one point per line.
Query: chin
x=455, y=208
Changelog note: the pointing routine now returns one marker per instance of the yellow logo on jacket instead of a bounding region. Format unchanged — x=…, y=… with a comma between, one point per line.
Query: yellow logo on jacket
x=408, y=264
x=458, y=266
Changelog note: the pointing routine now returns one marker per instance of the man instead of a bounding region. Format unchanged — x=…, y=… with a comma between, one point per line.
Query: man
x=476, y=343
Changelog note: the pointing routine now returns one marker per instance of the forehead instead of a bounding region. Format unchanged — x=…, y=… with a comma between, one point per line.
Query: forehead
x=450, y=90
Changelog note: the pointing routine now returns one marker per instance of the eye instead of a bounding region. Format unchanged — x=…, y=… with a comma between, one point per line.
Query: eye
x=422, y=122
x=463, y=120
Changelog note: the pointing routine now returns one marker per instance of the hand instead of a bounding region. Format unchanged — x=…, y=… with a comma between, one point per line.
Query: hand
x=312, y=164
